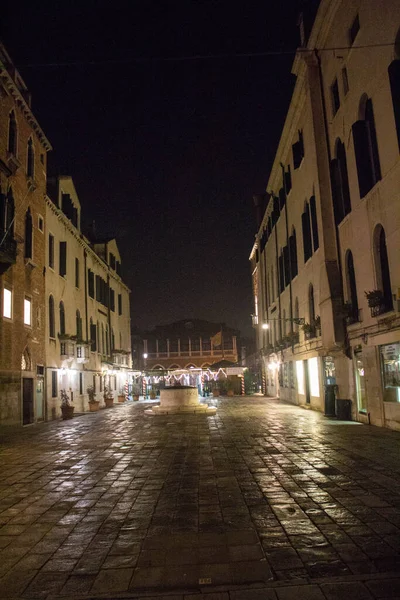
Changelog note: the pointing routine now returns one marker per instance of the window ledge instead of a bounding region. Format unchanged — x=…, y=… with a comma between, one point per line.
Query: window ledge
x=29, y=263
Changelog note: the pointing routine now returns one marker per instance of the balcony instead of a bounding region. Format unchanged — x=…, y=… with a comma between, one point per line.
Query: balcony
x=8, y=253
x=378, y=303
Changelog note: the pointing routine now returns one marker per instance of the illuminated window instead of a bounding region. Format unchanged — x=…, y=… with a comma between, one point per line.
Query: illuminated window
x=7, y=303
x=27, y=311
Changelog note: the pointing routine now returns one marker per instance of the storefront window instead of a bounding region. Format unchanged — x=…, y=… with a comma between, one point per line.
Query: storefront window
x=390, y=357
x=300, y=376
x=291, y=374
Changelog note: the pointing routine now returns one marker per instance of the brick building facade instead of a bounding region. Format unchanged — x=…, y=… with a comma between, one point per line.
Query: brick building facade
x=23, y=149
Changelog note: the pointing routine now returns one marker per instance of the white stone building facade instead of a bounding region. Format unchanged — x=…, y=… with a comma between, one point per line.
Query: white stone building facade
x=88, y=311
x=326, y=274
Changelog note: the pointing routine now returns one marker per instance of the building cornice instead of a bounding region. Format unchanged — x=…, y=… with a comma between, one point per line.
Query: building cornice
x=12, y=90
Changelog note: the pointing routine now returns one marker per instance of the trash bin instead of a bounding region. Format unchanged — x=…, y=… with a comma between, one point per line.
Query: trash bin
x=330, y=401
x=343, y=409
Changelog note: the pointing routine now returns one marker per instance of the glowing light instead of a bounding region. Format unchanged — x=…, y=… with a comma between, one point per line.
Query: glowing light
x=314, y=376
x=300, y=376
x=27, y=311
x=265, y=326
x=145, y=355
x=7, y=303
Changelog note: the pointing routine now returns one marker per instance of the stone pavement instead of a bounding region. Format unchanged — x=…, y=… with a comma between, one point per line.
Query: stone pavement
x=264, y=500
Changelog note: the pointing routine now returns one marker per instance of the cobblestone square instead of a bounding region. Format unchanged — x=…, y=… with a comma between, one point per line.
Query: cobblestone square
x=262, y=500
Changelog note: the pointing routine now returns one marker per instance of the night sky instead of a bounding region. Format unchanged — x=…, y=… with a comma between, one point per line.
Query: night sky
x=165, y=150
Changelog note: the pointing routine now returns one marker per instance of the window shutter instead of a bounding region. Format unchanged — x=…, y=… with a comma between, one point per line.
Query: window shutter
x=63, y=259
x=297, y=155
x=293, y=255
x=281, y=274
x=373, y=142
x=314, y=223
x=286, y=265
x=344, y=180
x=282, y=198
x=394, y=78
x=336, y=192
x=361, y=149
x=93, y=337
x=305, y=223
x=120, y=304
x=288, y=180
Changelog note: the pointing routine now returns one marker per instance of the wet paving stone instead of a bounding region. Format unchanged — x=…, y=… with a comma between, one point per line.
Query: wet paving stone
x=261, y=492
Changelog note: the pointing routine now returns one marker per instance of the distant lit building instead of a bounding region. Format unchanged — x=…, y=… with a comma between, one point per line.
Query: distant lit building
x=23, y=156
x=88, y=314
x=325, y=268
x=189, y=343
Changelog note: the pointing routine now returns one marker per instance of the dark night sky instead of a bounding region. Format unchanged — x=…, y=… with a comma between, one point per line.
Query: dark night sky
x=166, y=154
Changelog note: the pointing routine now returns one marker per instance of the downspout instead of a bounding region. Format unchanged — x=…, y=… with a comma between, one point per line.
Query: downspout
x=290, y=262
x=278, y=278
x=86, y=301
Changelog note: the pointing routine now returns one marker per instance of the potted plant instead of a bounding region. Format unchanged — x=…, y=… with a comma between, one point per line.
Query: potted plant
x=94, y=404
x=108, y=397
x=374, y=298
x=317, y=323
x=121, y=395
x=67, y=409
x=135, y=392
x=230, y=387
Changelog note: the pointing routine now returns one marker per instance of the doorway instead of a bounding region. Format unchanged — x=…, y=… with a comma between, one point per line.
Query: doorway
x=307, y=382
x=39, y=399
x=27, y=400
x=360, y=383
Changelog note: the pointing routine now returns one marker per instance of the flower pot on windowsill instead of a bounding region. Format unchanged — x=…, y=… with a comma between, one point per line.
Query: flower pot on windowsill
x=94, y=405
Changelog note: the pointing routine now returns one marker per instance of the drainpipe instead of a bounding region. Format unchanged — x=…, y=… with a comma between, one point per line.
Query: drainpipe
x=278, y=278
x=86, y=301
x=290, y=264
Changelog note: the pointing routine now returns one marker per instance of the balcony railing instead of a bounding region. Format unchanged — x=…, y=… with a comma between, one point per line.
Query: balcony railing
x=8, y=253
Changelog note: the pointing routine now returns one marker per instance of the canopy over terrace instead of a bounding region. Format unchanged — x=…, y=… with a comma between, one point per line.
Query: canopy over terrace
x=194, y=376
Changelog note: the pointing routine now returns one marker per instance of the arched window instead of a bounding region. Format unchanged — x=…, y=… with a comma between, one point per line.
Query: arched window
x=52, y=325
x=340, y=184
x=28, y=234
x=366, y=148
x=78, y=325
x=62, y=318
x=12, y=134
x=30, y=159
x=351, y=288
x=394, y=78
x=382, y=268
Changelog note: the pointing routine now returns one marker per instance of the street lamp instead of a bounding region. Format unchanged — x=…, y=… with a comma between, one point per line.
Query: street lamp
x=265, y=326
